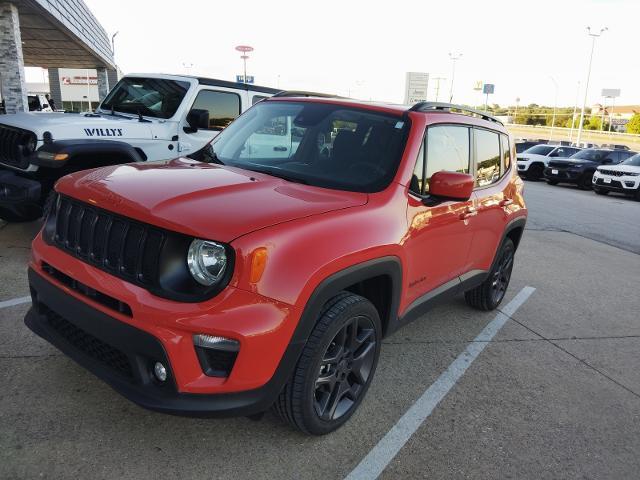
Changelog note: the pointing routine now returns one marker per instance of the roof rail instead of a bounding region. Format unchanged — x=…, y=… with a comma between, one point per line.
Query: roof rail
x=302, y=93
x=450, y=107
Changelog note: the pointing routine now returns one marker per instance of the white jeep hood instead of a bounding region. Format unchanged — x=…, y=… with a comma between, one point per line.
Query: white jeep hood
x=65, y=126
x=621, y=168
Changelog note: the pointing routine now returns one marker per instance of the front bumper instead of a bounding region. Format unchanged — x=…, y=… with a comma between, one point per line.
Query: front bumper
x=128, y=346
x=624, y=184
x=562, y=175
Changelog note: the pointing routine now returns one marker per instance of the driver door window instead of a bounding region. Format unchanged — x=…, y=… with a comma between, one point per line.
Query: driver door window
x=223, y=107
x=447, y=149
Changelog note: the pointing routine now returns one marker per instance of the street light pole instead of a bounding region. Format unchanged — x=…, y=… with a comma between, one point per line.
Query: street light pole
x=586, y=86
x=575, y=109
x=555, y=104
x=454, y=58
x=113, y=46
x=437, y=80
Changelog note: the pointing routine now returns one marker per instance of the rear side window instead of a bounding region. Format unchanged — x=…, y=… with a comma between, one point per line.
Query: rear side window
x=487, y=157
x=506, y=153
x=257, y=98
x=223, y=107
x=447, y=149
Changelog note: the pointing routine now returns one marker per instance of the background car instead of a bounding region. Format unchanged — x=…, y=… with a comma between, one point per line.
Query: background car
x=622, y=178
x=532, y=162
x=527, y=144
x=579, y=168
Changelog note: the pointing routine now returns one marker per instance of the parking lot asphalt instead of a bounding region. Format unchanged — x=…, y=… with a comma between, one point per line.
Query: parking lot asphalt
x=555, y=394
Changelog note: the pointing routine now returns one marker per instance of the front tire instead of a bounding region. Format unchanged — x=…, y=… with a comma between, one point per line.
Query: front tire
x=489, y=294
x=335, y=368
x=586, y=181
x=552, y=182
x=600, y=191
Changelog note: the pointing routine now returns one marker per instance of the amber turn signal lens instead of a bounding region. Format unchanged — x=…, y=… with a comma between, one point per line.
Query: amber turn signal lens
x=258, y=264
x=60, y=157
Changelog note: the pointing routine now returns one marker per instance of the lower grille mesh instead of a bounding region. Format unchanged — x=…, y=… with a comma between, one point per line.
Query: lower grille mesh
x=88, y=344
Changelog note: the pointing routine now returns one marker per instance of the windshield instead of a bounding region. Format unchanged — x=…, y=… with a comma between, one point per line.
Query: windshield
x=325, y=145
x=540, y=150
x=152, y=97
x=633, y=161
x=593, y=155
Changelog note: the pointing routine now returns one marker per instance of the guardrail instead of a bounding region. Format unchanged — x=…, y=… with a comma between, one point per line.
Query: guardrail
x=562, y=133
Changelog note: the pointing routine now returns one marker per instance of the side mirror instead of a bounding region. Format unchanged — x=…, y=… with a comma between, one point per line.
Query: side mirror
x=197, y=118
x=451, y=185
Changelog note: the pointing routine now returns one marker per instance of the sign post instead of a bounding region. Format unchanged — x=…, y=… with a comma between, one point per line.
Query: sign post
x=611, y=93
x=244, y=49
x=487, y=89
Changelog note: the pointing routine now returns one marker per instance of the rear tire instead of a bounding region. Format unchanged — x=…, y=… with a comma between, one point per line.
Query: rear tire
x=489, y=294
x=335, y=368
x=535, y=172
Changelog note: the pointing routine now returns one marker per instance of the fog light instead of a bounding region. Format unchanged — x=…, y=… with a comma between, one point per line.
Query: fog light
x=216, y=355
x=218, y=343
x=160, y=372
x=629, y=184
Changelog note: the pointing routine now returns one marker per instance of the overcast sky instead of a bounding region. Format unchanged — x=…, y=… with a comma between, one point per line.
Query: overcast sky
x=365, y=47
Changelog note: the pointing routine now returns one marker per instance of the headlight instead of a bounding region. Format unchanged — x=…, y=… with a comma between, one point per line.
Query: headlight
x=207, y=261
x=631, y=174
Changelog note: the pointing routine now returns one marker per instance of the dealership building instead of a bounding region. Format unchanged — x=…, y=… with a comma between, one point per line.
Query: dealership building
x=57, y=36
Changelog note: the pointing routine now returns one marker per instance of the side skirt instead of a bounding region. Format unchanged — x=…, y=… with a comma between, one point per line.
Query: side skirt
x=440, y=295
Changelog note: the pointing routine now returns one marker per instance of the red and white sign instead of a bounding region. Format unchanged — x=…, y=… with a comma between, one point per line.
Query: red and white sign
x=78, y=80
x=244, y=48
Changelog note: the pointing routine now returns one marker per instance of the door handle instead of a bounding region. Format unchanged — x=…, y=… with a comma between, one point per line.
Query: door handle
x=471, y=212
x=506, y=202
x=280, y=149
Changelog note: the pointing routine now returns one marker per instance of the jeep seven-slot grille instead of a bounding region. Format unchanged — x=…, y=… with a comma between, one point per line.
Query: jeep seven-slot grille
x=88, y=344
x=12, y=143
x=613, y=173
x=115, y=244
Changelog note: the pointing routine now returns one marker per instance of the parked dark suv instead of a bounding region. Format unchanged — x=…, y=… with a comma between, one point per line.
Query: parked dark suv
x=579, y=168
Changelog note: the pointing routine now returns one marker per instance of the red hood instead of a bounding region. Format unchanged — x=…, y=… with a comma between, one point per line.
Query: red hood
x=203, y=200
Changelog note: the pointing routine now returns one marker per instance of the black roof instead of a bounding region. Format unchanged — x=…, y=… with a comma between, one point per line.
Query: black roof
x=243, y=86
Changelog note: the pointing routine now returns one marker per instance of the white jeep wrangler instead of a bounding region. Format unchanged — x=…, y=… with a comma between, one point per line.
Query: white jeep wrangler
x=143, y=118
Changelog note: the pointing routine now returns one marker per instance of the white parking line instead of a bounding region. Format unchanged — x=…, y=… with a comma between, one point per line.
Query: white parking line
x=387, y=448
x=14, y=301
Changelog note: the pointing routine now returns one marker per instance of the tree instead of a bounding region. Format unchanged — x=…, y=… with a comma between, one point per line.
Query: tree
x=634, y=124
x=595, y=123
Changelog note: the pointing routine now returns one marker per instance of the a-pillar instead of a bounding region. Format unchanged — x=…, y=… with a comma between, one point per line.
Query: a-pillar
x=103, y=83
x=12, y=79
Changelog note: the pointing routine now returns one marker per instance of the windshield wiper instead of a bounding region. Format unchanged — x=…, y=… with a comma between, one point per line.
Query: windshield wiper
x=279, y=174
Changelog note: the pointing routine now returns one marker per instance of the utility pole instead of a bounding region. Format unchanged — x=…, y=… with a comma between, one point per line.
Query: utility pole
x=593, y=36
x=454, y=58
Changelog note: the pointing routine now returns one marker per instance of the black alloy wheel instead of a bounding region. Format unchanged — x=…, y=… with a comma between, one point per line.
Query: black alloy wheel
x=502, y=275
x=345, y=368
x=489, y=294
x=335, y=368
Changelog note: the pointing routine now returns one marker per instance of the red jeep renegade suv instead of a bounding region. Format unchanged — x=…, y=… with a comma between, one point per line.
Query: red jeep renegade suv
x=266, y=271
